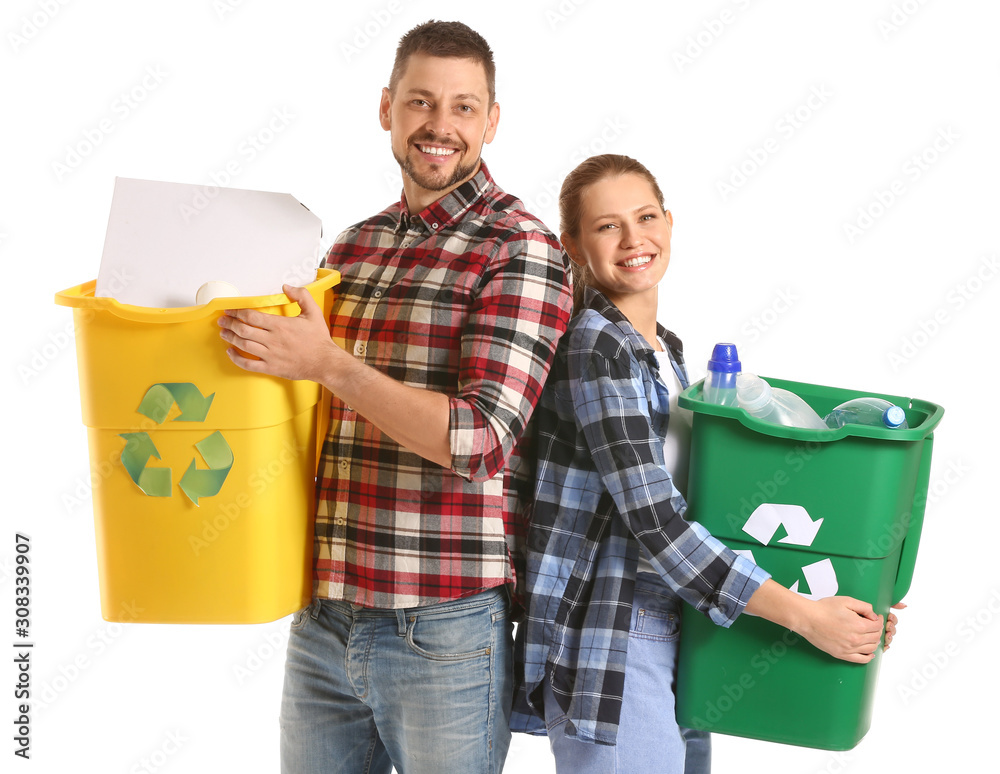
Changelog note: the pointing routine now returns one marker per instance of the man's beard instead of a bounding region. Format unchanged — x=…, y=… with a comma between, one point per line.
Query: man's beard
x=435, y=182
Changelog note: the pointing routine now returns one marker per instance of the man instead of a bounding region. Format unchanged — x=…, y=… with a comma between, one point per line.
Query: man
x=444, y=326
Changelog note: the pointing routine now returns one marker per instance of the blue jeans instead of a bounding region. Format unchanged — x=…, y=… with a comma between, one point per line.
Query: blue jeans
x=425, y=690
x=649, y=739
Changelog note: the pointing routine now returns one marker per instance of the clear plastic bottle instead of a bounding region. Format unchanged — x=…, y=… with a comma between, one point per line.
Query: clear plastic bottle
x=867, y=411
x=773, y=404
x=720, y=381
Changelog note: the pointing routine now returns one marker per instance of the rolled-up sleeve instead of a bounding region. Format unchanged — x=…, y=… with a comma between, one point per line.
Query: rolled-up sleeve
x=611, y=405
x=517, y=317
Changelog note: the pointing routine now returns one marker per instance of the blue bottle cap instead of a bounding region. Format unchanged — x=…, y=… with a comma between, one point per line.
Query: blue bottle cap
x=725, y=358
x=894, y=416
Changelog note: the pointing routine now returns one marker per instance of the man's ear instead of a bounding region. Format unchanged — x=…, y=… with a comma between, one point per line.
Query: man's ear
x=384, y=111
x=492, y=119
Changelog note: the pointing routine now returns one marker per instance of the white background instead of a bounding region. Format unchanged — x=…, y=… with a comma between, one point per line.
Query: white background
x=903, y=302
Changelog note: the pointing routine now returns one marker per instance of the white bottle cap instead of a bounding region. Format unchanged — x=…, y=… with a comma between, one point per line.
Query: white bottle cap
x=894, y=416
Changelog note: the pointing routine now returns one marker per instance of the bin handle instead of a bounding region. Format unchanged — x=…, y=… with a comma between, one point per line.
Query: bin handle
x=908, y=554
x=82, y=297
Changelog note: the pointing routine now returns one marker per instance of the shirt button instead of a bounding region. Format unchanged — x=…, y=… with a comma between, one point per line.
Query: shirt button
x=344, y=464
x=434, y=226
x=359, y=349
x=377, y=293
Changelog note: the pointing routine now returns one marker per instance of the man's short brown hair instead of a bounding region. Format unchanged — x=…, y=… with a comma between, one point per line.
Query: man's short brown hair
x=444, y=39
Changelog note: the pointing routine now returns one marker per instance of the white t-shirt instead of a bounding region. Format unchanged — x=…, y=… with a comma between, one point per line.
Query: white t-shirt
x=677, y=445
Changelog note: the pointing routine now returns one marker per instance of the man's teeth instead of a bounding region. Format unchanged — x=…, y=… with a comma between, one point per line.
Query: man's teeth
x=436, y=151
x=642, y=260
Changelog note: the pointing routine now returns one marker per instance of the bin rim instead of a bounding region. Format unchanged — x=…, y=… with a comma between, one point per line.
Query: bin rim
x=690, y=398
x=82, y=297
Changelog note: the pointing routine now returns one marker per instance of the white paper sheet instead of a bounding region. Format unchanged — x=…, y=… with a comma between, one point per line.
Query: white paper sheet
x=165, y=240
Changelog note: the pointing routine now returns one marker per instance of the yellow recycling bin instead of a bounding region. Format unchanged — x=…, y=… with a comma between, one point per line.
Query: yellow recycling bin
x=204, y=494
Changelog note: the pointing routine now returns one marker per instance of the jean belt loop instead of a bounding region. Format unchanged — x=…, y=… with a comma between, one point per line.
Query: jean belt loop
x=314, y=608
x=401, y=621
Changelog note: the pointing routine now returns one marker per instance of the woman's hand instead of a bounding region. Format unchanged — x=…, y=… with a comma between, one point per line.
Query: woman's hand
x=844, y=627
x=890, y=625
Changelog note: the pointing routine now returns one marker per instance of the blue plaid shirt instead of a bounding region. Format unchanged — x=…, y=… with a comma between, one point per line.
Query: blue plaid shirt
x=602, y=489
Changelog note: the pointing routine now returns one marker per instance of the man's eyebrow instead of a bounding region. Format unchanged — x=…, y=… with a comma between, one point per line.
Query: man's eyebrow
x=466, y=97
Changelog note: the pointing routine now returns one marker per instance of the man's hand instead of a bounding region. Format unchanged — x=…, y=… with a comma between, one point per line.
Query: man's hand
x=289, y=347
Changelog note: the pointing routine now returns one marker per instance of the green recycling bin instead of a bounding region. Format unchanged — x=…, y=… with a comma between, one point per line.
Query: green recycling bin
x=826, y=512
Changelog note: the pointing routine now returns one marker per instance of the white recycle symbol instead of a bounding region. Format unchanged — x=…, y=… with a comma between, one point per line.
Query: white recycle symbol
x=802, y=530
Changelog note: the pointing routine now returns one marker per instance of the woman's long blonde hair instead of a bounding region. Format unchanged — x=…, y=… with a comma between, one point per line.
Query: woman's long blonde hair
x=588, y=172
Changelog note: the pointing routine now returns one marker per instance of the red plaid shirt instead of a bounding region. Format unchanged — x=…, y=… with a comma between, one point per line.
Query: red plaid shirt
x=468, y=298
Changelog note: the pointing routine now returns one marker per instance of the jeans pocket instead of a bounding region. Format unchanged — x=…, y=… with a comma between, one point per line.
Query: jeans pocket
x=655, y=622
x=300, y=617
x=457, y=636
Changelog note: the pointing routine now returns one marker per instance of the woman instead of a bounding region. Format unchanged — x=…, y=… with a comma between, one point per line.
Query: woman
x=610, y=556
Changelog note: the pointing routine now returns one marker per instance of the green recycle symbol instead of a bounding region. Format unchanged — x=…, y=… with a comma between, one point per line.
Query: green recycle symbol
x=139, y=447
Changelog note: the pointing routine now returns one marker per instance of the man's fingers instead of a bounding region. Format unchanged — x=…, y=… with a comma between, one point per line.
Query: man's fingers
x=301, y=296
x=241, y=320
x=244, y=362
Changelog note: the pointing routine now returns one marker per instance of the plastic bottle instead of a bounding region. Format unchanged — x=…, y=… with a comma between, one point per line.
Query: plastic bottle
x=867, y=411
x=720, y=381
x=773, y=404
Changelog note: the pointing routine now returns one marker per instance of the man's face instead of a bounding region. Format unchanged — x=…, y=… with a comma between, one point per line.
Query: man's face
x=438, y=119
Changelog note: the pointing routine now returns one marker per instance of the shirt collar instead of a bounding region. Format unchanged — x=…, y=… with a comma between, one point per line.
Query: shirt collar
x=441, y=214
x=596, y=300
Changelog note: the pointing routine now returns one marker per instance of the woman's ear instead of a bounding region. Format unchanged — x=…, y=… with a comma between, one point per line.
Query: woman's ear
x=669, y=216
x=570, y=246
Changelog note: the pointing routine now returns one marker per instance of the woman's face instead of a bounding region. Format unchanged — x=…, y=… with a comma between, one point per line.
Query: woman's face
x=624, y=236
